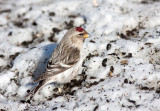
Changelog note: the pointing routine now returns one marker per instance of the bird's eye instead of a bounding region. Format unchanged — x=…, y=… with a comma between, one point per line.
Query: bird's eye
x=50, y=62
x=80, y=34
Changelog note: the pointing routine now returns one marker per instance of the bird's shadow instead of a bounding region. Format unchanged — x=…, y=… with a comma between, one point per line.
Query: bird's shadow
x=43, y=60
x=40, y=63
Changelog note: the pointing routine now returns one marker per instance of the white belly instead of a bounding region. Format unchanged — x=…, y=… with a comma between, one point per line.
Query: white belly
x=67, y=75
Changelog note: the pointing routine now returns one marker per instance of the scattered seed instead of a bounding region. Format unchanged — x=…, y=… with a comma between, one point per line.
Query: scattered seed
x=104, y=62
x=123, y=53
x=92, y=41
x=55, y=108
x=1, y=56
x=5, y=11
x=124, y=62
x=128, y=56
x=95, y=108
x=108, y=46
x=10, y=34
x=111, y=68
x=52, y=14
x=34, y=23
x=158, y=90
x=132, y=101
x=110, y=74
x=125, y=80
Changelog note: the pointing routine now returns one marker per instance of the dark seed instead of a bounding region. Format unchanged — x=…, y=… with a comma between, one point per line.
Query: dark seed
x=62, y=106
x=73, y=16
x=12, y=57
x=28, y=101
x=34, y=23
x=52, y=14
x=108, y=46
x=125, y=80
x=22, y=101
x=101, y=80
x=95, y=108
x=92, y=77
x=158, y=90
x=111, y=68
x=123, y=53
x=1, y=56
x=132, y=101
x=123, y=36
x=28, y=91
x=144, y=2
x=18, y=24
x=129, y=55
x=145, y=88
x=130, y=107
x=69, y=24
x=92, y=41
x=5, y=11
x=112, y=54
x=137, y=106
x=104, y=62
x=54, y=108
x=148, y=43
x=130, y=82
x=10, y=33
x=107, y=101
x=56, y=30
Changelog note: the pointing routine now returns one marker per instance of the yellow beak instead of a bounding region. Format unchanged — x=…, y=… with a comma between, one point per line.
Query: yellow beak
x=86, y=35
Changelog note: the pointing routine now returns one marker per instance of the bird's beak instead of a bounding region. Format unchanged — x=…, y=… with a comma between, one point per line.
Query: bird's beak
x=86, y=35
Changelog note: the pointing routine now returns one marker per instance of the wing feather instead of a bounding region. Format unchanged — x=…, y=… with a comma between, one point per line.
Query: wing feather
x=60, y=62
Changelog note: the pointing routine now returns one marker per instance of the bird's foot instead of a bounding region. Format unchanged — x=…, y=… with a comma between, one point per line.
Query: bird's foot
x=60, y=88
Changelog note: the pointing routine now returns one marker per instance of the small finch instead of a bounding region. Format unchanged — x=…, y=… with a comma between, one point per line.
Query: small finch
x=65, y=61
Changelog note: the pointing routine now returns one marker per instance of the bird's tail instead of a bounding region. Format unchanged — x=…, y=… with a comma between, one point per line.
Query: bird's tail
x=36, y=89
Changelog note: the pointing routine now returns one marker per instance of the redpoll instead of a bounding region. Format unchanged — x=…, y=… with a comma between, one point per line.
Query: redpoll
x=65, y=61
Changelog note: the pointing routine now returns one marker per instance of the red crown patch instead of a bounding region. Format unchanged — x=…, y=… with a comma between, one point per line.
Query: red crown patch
x=79, y=29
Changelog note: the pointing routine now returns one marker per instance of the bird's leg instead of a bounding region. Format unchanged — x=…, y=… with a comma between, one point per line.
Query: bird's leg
x=35, y=90
x=60, y=88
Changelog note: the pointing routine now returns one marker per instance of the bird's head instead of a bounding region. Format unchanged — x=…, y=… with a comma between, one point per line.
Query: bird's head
x=80, y=32
x=76, y=35
x=77, y=32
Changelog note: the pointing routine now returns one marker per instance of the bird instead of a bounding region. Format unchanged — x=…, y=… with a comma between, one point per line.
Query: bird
x=65, y=60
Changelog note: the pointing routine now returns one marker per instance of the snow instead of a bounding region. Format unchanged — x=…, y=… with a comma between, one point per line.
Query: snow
x=121, y=68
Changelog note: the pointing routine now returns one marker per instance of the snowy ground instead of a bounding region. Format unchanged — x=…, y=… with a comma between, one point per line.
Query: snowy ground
x=121, y=69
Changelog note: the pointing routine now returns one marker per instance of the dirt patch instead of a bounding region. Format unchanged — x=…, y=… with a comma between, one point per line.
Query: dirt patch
x=132, y=33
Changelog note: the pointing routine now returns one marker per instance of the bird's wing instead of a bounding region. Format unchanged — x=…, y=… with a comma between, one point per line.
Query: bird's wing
x=60, y=64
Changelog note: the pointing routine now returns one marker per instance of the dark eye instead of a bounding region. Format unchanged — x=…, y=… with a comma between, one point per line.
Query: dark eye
x=80, y=34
